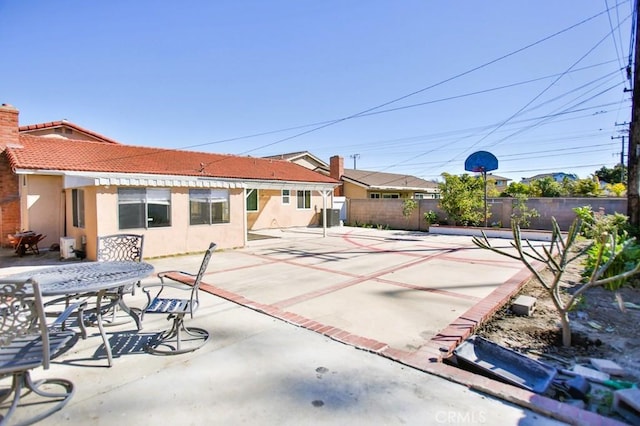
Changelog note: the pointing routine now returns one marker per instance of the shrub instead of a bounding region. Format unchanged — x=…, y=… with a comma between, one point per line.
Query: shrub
x=430, y=217
x=596, y=224
x=522, y=214
x=462, y=198
x=626, y=255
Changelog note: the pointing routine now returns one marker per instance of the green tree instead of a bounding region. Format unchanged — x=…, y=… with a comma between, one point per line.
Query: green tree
x=618, y=189
x=522, y=214
x=587, y=187
x=568, y=187
x=545, y=187
x=462, y=197
x=617, y=174
x=492, y=190
x=408, y=206
x=516, y=188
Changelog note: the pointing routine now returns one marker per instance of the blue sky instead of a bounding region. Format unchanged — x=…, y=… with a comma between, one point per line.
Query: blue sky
x=406, y=86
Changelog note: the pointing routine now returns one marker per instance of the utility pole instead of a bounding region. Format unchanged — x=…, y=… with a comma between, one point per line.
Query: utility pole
x=355, y=157
x=623, y=153
x=633, y=199
x=621, y=158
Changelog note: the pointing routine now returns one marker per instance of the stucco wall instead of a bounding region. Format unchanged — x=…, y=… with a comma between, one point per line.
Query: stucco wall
x=89, y=232
x=63, y=132
x=274, y=214
x=41, y=202
x=354, y=191
x=387, y=212
x=180, y=237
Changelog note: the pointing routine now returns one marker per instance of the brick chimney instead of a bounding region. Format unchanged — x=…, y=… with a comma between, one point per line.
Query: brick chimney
x=9, y=182
x=8, y=126
x=336, y=167
x=336, y=171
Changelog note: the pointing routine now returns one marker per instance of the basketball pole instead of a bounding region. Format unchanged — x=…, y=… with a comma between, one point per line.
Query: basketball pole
x=484, y=178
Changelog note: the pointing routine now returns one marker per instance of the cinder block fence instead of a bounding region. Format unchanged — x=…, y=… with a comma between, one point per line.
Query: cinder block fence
x=388, y=212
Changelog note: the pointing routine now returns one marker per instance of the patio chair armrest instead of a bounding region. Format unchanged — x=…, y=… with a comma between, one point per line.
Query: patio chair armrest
x=167, y=274
x=179, y=286
x=161, y=286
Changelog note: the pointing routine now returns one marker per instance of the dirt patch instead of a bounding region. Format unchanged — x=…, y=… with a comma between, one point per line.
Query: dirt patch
x=599, y=329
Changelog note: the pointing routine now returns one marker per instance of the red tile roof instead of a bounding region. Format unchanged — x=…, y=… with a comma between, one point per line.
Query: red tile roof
x=64, y=123
x=45, y=153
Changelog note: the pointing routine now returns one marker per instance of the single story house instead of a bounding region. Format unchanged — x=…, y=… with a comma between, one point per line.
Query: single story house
x=359, y=184
x=67, y=182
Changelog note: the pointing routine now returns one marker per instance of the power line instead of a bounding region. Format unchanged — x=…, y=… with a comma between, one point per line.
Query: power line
x=441, y=82
x=463, y=95
x=420, y=139
x=374, y=110
x=613, y=37
x=518, y=112
x=548, y=153
x=550, y=117
x=546, y=169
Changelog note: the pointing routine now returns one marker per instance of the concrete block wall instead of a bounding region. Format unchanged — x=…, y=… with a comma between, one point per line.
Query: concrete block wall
x=388, y=212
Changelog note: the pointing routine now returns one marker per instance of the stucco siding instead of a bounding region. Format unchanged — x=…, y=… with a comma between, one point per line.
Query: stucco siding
x=41, y=199
x=274, y=214
x=180, y=237
x=354, y=191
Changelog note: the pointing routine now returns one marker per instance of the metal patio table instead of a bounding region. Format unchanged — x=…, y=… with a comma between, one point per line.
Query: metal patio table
x=91, y=279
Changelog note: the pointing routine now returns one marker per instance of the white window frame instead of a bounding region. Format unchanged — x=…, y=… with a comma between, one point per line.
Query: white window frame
x=303, y=202
x=77, y=202
x=147, y=198
x=286, y=196
x=249, y=193
x=209, y=198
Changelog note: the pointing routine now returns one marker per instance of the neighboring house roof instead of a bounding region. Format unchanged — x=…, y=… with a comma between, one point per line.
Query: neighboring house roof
x=557, y=176
x=304, y=158
x=113, y=161
x=371, y=180
x=80, y=132
x=388, y=181
x=496, y=177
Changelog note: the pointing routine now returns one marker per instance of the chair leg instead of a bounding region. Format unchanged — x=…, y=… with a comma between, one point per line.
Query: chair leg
x=23, y=380
x=175, y=341
x=120, y=306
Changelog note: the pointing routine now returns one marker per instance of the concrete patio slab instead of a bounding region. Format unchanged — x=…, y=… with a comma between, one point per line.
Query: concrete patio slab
x=287, y=316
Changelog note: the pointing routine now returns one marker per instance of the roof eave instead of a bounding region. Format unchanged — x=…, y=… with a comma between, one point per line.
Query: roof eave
x=74, y=179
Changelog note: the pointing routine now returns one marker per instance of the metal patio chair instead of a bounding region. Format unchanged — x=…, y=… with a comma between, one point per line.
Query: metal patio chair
x=179, y=338
x=27, y=342
x=119, y=247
